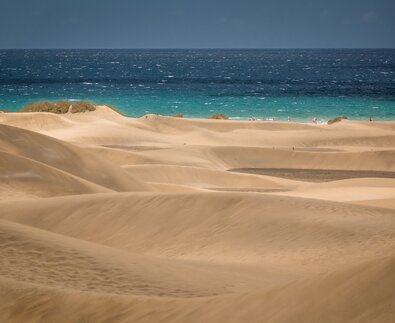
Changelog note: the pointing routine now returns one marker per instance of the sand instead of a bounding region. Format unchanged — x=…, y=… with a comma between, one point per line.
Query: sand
x=105, y=218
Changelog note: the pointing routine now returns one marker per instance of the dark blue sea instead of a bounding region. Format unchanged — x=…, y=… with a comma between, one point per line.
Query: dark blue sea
x=277, y=84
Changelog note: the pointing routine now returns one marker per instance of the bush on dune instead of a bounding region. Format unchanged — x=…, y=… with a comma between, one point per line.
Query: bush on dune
x=337, y=119
x=45, y=106
x=82, y=106
x=219, y=116
x=59, y=107
x=178, y=115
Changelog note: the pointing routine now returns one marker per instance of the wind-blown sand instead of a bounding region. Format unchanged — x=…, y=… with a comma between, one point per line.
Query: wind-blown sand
x=105, y=218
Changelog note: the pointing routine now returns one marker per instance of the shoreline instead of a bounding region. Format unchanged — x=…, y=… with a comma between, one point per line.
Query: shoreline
x=319, y=121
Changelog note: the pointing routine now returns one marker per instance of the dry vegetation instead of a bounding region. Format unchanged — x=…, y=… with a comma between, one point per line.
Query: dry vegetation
x=178, y=115
x=59, y=107
x=337, y=119
x=219, y=116
x=45, y=106
x=82, y=106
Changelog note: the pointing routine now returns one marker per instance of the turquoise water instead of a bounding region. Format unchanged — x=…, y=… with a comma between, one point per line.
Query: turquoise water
x=300, y=84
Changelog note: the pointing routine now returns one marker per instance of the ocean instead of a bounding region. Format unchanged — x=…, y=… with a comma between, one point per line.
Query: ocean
x=268, y=84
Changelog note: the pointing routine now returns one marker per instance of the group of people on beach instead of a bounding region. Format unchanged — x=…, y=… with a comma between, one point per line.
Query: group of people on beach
x=314, y=120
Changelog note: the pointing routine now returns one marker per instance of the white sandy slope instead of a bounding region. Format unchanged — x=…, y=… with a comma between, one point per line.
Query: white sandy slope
x=105, y=218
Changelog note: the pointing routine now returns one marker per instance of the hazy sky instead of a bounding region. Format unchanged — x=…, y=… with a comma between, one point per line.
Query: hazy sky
x=196, y=23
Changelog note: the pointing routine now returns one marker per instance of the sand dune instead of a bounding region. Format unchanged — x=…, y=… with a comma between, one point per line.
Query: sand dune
x=82, y=266
x=349, y=190
x=202, y=177
x=25, y=177
x=159, y=131
x=66, y=157
x=278, y=158
x=105, y=218
x=230, y=157
x=218, y=227
x=338, y=297
x=384, y=203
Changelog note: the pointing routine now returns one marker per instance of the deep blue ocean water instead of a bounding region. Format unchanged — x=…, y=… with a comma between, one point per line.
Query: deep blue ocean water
x=278, y=84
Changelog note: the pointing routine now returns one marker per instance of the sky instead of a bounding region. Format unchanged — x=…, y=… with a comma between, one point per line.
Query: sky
x=197, y=24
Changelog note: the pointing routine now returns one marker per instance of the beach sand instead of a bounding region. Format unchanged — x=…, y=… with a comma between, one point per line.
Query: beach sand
x=105, y=218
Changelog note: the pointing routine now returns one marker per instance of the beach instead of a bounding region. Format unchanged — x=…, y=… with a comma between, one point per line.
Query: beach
x=107, y=218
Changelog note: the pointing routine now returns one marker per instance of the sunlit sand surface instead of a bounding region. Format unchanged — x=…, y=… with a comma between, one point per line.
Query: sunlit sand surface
x=105, y=218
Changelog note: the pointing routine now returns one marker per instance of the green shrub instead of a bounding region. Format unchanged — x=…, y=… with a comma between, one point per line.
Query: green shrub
x=337, y=119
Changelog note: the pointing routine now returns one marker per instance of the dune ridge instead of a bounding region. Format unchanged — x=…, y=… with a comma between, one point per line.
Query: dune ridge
x=109, y=218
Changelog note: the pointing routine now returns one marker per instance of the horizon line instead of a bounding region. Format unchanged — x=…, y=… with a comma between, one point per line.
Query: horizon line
x=196, y=48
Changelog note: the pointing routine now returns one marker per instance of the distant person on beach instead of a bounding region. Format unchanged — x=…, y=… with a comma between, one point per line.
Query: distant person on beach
x=314, y=120
x=370, y=119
